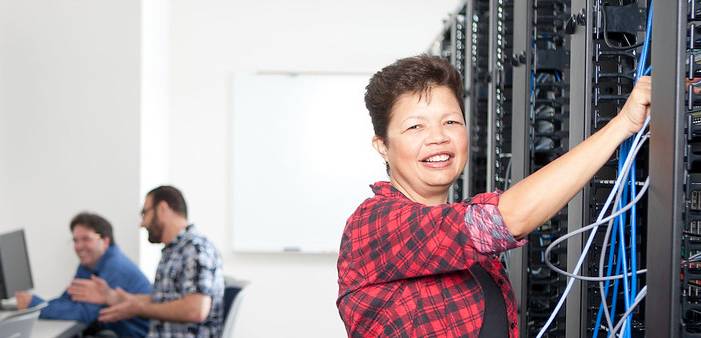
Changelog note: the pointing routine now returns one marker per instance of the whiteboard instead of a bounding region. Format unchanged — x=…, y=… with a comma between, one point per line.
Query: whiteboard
x=302, y=160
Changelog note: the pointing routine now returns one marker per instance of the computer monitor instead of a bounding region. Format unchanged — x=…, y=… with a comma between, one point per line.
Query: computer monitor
x=15, y=272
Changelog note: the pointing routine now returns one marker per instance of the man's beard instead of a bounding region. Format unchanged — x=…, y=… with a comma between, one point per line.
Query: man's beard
x=155, y=230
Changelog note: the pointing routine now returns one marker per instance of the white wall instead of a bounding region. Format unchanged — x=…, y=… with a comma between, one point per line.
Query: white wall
x=290, y=295
x=69, y=119
x=155, y=109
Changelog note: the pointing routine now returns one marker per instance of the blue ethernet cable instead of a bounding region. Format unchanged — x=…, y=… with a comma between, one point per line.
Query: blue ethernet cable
x=622, y=245
x=623, y=262
x=618, y=227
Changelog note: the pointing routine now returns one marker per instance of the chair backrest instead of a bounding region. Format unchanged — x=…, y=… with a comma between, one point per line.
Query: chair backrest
x=18, y=325
x=233, y=292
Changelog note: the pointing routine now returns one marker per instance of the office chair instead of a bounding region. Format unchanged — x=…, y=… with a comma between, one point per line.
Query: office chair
x=233, y=292
x=19, y=324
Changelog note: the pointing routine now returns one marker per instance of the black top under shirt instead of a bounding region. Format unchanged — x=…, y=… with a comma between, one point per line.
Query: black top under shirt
x=494, y=323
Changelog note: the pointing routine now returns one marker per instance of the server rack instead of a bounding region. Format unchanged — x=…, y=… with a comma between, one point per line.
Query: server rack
x=691, y=221
x=478, y=87
x=614, y=59
x=521, y=59
x=499, y=96
x=673, y=282
x=549, y=138
x=540, y=134
x=580, y=30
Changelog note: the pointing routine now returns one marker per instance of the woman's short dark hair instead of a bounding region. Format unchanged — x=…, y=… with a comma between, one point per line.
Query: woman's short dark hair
x=94, y=222
x=172, y=196
x=417, y=74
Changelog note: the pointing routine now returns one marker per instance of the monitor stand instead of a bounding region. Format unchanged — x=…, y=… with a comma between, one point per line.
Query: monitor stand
x=9, y=304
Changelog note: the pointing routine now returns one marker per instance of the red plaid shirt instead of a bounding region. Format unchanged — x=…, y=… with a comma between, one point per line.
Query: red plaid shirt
x=403, y=266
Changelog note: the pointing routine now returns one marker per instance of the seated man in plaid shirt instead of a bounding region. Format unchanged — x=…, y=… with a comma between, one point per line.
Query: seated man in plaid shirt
x=187, y=296
x=413, y=265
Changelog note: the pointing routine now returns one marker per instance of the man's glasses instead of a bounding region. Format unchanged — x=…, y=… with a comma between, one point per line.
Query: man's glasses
x=145, y=210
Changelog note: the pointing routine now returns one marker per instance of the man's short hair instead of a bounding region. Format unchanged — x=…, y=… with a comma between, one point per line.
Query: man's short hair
x=172, y=196
x=94, y=222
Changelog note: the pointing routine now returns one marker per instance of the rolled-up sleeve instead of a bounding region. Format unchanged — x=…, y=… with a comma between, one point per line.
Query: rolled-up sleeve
x=486, y=226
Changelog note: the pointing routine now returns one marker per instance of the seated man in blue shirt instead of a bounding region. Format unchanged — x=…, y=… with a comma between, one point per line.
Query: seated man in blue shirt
x=99, y=256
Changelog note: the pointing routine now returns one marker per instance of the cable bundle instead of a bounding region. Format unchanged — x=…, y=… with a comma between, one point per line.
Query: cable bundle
x=617, y=319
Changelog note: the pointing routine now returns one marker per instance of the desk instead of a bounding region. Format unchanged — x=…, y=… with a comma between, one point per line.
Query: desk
x=44, y=328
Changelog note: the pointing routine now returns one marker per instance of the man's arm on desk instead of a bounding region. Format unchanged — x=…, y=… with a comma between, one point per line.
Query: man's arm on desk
x=96, y=291
x=192, y=308
x=60, y=308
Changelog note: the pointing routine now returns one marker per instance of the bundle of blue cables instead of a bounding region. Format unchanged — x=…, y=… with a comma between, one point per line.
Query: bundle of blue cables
x=620, y=223
x=625, y=214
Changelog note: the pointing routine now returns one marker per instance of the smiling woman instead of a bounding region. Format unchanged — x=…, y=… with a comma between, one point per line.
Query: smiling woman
x=416, y=251
x=426, y=144
x=413, y=265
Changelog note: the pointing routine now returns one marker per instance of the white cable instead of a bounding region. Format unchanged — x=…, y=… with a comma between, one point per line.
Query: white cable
x=625, y=171
x=610, y=220
x=602, y=258
x=694, y=257
x=570, y=281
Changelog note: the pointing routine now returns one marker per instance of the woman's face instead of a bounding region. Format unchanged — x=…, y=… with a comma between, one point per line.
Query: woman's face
x=426, y=145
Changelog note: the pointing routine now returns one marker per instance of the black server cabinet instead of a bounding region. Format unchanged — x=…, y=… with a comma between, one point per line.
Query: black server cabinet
x=673, y=277
x=549, y=131
x=580, y=30
x=499, y=95
x=616, y=40
x=541, y=132
x=478, y=84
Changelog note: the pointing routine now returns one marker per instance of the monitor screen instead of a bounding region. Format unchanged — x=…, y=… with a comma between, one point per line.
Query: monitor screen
x=14, y=263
